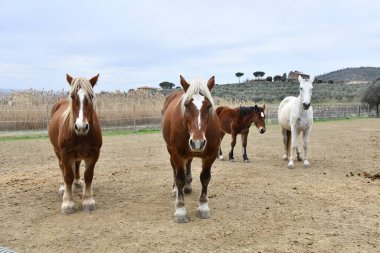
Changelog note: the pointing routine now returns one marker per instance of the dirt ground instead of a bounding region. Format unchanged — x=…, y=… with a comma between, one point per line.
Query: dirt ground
x=259, y=206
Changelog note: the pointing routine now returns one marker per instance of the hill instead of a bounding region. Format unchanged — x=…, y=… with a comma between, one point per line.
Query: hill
x=352, y=74
x=273, y=92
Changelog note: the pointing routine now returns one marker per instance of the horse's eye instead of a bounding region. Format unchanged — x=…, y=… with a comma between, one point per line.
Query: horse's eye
x=300, y=88
x=72, y=95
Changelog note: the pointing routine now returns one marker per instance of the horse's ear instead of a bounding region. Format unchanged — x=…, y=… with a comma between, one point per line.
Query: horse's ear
x=94, y=80
x=300, y=79
x=312, y=79
x=211, y=83
x=69, y=78
x=185, y=85
x=263, y=107
x=256, y=108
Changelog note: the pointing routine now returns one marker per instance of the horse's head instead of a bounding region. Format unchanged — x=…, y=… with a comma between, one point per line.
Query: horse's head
x=259, y=118
x=306, y=89
x=82, y=109
x=197, y=107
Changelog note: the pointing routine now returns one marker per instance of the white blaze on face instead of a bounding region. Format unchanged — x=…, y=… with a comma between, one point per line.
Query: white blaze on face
x=262, y=115
x=198, y=102
x=79, y=120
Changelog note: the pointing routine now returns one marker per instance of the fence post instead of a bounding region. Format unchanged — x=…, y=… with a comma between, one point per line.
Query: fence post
x=134, y=118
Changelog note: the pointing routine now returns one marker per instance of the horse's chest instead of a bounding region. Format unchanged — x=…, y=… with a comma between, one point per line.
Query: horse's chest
x=82, y=151
x=302, y=123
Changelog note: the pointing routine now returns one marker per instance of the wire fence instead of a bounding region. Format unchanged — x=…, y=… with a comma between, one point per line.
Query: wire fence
x=22, y=121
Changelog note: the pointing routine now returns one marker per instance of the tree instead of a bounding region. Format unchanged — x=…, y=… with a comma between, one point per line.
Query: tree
x=372, y=96
x=277, y=78
x=258, y=74
x=166, y=85
x=238, y=75
x=284, y=77
x=268, y=79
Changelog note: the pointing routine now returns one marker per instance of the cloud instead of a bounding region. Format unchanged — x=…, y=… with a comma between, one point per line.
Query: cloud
x=134, y=43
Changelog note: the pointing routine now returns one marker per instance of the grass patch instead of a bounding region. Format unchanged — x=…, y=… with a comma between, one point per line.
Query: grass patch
x=111, y=133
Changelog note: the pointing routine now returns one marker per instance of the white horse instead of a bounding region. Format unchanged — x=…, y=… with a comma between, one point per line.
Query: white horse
x=295, y=115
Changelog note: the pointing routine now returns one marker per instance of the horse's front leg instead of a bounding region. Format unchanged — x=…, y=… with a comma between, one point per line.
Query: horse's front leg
x=220, y=154
x=293, y=149
x=306, y=135
x=233, y=143
x=203, y=210
x=244, y=138
x=68, y=205
x=88, y=203
x=180, y=214
x=78, y=184
x=188, y=188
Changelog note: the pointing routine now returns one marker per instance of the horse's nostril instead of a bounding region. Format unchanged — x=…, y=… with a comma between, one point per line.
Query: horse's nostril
x=86, y=127
x=203, y=144
x=76, y=127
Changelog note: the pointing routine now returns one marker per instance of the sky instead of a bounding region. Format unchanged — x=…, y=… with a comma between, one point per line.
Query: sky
x=145, y=42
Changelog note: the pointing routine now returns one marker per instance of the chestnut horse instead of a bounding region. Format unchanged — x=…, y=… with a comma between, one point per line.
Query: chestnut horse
x=191, y=129
x=238, y=120
x=75, y=133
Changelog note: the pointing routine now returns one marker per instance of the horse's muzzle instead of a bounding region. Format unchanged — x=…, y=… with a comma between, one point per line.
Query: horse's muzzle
x=262, y=130
x=306, y=106
x=197, y=145
x=81, y=129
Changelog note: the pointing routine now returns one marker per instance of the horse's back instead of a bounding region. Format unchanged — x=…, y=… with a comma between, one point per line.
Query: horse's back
x=284, y=111
x=226, y=117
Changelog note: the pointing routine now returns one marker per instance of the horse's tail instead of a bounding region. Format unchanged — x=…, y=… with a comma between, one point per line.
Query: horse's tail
x=288, y=140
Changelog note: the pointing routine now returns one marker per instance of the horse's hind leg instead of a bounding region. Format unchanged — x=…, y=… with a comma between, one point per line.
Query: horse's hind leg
x=88, y=203
x=244, y=138
x=220, y=154
x=78, y=184
x=203, y=210
x=286, y=139
x=188, y=188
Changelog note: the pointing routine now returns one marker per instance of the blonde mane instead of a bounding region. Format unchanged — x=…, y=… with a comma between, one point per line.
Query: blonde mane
x=76, y=84
x=197, y=86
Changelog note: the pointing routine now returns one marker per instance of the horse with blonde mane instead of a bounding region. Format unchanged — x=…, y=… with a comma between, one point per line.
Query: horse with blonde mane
x=190, y=128
x=75, y=134
x=295, y=115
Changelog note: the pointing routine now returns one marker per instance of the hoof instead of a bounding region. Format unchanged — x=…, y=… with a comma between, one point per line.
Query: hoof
x=232, y=160
x=221, y=158
x=246, y=160
x=203, y=211
x=306, y=164
x=285, y=158
x=290, y=165
x=180, y=215
x=88, y=205
x=299, y=158
x=68, y=207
